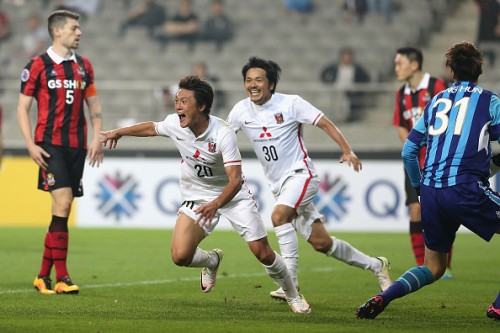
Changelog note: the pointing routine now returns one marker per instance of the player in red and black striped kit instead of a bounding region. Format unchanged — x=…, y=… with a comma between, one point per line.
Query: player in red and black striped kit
x=411, y=100
x=60, y=81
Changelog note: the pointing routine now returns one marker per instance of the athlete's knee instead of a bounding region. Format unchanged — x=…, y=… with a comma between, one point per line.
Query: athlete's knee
x=278, y=218
x=321, y=243
x=181, y=258
x=415, y=212
x=264, y=254
x=282, y=214
x=62, y=206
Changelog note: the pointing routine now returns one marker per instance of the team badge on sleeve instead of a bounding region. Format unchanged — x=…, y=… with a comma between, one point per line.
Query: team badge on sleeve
x=25, y=75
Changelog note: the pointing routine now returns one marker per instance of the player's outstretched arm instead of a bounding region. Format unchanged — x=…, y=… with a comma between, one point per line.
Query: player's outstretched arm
x=348, y=154
x=110, y=138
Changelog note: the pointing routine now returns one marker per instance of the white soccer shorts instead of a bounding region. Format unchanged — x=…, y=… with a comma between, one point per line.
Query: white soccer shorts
x=299, y=194
x=241, y=212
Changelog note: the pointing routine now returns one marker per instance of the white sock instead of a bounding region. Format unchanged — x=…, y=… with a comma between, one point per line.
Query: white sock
x=204, y=258
x=345, y=252
x=278, y=271
x=289, y=248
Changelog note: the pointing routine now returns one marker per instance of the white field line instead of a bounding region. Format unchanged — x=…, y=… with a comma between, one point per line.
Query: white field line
x=156, y=282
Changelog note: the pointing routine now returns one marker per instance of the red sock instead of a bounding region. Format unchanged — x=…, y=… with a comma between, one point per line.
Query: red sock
x=417, y=241
x=47, y=261
x=60, y=252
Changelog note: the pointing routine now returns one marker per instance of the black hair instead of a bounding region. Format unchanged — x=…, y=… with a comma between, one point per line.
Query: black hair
x=413, y=54
x=272, y=69
x=59, y=18
x=465, y=60
x=203, y=92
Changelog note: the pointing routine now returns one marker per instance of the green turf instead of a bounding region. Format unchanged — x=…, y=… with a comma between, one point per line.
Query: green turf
x=129, y=284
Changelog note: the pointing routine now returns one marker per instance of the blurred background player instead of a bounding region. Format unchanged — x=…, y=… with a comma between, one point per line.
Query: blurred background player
x=273, y=124
x=211, y=185
x=60, y=81
x=457, y=127
x=411, y=99
x=1, y=137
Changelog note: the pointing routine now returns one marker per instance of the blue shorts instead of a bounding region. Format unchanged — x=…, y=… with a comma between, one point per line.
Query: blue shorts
x=473, y=205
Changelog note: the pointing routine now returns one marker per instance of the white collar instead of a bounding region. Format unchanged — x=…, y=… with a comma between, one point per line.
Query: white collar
x=424, y=84
x=57, y=58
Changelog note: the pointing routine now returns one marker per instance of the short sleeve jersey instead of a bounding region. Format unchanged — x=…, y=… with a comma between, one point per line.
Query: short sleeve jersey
x=275, y=132
x=59, y=85
x=457, y=127
x=410, y=104
x=204, y=158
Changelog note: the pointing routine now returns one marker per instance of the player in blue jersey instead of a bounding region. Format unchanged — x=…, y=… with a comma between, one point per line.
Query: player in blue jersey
x=457, y=126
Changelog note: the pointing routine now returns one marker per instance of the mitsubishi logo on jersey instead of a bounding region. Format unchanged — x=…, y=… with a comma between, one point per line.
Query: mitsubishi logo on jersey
x=197, y=156
x=265, y=133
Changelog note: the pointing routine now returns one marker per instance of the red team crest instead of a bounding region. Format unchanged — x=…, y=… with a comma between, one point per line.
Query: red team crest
x=211, y=147
x=279, y=118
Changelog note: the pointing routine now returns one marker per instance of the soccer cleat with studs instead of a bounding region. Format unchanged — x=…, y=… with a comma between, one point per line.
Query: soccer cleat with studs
x=44, y=285
x=493, y=312
x=371, y=309
x=66, y=286
x=384, y=280
x=209, y=276
x=299, y=304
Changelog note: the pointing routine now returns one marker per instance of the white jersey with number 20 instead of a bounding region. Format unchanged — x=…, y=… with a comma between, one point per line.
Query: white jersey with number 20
x=204, y=158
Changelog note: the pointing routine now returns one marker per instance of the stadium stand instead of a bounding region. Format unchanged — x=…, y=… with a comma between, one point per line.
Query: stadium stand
x=129, y=69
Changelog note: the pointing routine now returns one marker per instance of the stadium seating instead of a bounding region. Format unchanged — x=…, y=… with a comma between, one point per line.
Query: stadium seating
x=130, y=68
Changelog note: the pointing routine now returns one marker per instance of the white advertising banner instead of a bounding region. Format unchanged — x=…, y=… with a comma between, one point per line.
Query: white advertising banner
x=144, y=193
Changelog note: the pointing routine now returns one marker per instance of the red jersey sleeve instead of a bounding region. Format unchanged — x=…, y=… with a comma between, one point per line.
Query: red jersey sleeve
x=29, y=77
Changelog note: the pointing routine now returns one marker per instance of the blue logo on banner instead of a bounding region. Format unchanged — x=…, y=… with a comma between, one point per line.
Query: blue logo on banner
x=168, y=188
x=118, y=196
x=389, y=204
x=332, y=198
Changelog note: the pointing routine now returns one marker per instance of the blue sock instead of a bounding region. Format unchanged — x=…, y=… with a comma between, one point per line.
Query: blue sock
x=497, y=301
x=412, y=280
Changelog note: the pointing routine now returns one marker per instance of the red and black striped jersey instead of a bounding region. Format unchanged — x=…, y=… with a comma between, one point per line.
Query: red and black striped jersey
x=59, y=86
x=410, y=104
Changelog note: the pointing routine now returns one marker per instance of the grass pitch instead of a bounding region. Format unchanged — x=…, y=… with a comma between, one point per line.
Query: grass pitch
x=129, y=284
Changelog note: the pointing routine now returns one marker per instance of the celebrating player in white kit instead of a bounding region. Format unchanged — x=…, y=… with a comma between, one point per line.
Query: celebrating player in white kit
x=212, y=185
x=273, y=123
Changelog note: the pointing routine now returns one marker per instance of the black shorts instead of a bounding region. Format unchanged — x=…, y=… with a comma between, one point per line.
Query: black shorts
x=65, y=169
x=411, y=193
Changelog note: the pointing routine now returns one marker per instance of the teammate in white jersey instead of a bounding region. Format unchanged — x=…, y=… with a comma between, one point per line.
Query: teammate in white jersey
x=273, y=124
x=212, y=185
